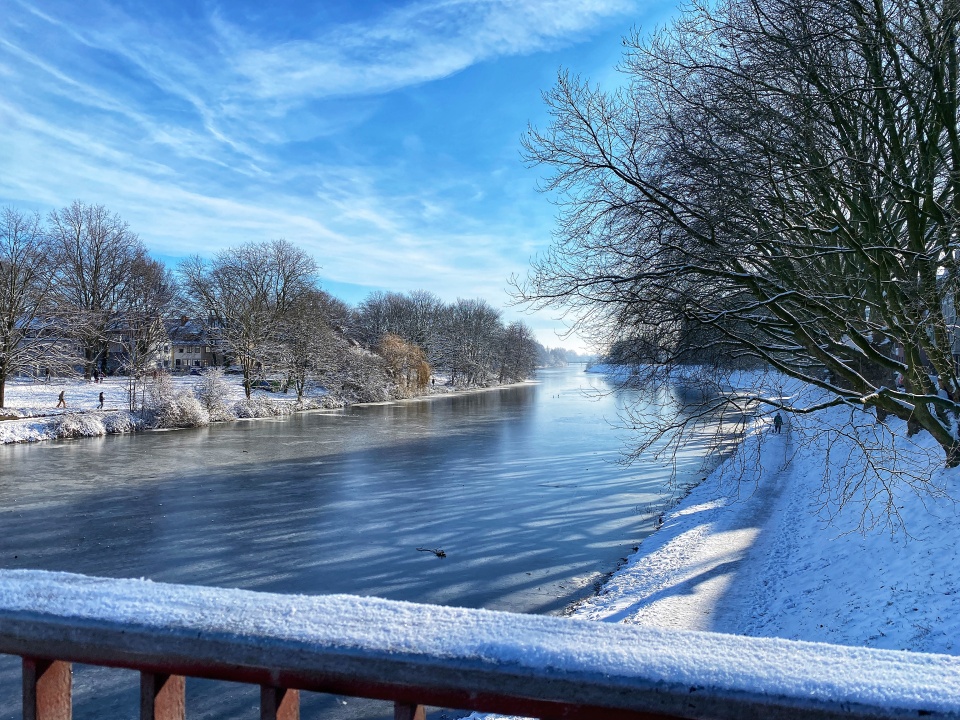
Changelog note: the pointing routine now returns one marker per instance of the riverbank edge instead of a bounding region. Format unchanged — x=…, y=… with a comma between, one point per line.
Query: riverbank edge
x=98, y=423
x=428, y=397
x=806, y=562
x=718, y=459
x=659, y=516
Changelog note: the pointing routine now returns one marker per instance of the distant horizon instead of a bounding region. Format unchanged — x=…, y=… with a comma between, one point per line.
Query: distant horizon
x=384, y=139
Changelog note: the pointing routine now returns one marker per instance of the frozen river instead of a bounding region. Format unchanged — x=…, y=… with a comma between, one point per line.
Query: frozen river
x=520, y=487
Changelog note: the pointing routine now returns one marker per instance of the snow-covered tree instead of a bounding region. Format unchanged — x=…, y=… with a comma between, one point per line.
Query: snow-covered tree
x=29, y=329
x=308, y=343
x=518, y=352
x=776, y=181
x=468, y=340
x=413, y=316
x=95, y=255
x=245, y=294
x=138, y=328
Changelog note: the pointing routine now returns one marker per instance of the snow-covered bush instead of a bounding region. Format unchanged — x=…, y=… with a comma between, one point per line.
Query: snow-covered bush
x=77, y=425
x=170, y=407
x=120, y=422
x=212, y=392
x=261, y=406
x=361, y=376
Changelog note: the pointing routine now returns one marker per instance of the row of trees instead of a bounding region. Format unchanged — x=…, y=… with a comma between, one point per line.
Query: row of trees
x=75, y=282
x=777, y=182
x=81, y=281
x=262, y=303
x=466, y=337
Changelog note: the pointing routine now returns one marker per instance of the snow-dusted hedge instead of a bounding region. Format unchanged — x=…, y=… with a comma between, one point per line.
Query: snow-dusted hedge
x=172, y=407
x=212, y=392
x=76, y=425
x=261, y=406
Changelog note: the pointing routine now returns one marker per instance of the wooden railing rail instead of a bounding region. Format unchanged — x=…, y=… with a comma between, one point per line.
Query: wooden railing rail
x=419, y=655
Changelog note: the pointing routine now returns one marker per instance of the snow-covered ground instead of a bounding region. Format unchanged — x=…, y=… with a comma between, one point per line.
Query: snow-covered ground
x=795, y=536
x=764, y=547
x=36, y=398
x=30, y=411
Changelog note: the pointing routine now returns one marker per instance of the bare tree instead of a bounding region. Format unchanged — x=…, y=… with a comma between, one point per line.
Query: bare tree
x=95, y=254
x=139, y=328
x=413, y=316
x=29, y=329
x=308, y=343
x=467, y=340
x=423, y=311
x=778, y=181
x=518, y=352
x=245, y=294
x=378, y=314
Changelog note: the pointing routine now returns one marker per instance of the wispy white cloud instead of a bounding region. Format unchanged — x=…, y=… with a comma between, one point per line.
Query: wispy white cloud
x=359, y=235
x=406, y=46
x=242, y=87
x=194, y=132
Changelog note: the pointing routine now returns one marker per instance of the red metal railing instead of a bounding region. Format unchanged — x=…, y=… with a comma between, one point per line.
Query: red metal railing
x=419, y=655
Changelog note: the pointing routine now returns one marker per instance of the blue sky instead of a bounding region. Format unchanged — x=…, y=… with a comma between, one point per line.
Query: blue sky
x=383, y=137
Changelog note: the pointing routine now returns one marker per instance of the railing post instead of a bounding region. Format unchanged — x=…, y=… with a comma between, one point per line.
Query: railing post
x=403, y=711
x=279, y=703
x=162, y=697
x=47, y=685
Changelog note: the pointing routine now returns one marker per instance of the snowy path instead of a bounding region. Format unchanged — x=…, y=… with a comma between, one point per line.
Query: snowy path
x=705, y=569
x=766, y=521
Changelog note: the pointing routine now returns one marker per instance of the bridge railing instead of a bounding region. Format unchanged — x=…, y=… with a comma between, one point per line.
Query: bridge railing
x=419, y=655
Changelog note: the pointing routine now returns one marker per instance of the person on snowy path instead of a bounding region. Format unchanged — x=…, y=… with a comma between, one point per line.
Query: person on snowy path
x=100, y=406
x=60, y=400
x=777, y=423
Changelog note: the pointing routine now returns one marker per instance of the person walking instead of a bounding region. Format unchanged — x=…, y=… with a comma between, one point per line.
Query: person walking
x=61, y=402
x=777, y=423
x=100, y=406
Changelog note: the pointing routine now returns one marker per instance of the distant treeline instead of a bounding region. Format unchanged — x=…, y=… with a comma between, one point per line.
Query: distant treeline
x=80, y=293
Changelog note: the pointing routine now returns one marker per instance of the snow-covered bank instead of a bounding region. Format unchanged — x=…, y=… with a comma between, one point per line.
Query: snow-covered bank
x=763, y=548
x=31, y=413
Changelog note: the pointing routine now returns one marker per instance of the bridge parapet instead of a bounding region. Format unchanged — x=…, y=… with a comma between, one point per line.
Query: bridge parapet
x=418, y=655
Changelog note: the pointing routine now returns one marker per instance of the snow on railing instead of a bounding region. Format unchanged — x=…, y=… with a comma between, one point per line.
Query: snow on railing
x=417, y=655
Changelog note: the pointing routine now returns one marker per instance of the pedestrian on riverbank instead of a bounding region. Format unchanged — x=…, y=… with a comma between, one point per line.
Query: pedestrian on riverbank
x=777, y=423
x=100, y=406
x=61, y=402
